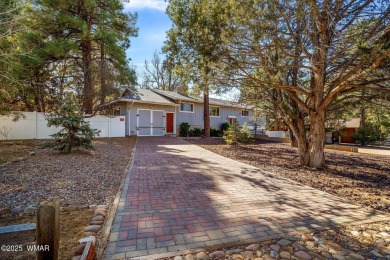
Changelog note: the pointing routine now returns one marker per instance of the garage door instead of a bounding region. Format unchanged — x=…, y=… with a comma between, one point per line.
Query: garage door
x=150, y=123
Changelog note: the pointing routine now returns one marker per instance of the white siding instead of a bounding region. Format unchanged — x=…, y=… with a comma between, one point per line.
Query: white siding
x=196, y=119
x=131, y=114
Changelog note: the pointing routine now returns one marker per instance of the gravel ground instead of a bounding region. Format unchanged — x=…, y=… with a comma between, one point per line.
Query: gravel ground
x=79, y=179
x=30, y=174
x=368, y=241
x=360, y=178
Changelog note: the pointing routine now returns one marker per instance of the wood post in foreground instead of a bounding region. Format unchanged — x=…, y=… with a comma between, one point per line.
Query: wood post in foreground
x=48, y=230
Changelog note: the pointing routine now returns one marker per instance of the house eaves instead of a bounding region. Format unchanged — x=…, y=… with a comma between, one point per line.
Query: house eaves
x=148, y=102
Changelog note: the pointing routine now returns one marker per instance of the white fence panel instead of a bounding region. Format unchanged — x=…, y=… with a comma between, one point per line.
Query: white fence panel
x=22, y=129
x=42, y=130
x=101, y=123
x=117, y=126
x=34, y=126
x=279, y=134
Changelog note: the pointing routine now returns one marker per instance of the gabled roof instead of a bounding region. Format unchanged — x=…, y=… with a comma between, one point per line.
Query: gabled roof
x=228, y=103
x=213, y=101
x=163, y=97
x=176, y=96
x=145, y=96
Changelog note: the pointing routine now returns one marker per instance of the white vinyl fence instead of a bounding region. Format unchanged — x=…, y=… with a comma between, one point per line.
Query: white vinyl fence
x=34, y=126
x=279, y=134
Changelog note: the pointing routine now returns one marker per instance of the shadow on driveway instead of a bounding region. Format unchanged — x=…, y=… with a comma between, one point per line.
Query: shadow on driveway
x=180, y=197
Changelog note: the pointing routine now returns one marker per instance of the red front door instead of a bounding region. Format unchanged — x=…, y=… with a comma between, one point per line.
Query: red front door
x=170, y=122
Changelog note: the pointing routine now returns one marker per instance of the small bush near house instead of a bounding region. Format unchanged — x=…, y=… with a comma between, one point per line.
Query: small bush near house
x=224, y=127
x=232, y=134
x=236, y=134
x=245, y=134
x=368, y=133
x=215, y=132
x=184, y=129
x=196, y=132
x=75, y=133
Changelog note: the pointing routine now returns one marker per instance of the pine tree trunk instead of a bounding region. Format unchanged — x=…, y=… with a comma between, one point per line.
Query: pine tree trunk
x=299, y=132
x=293, y=139
x=87, y=64
x=103, y=87
x=303, y=152
x=206, y=114
x=88, y=91
x=316, y=141
x=311, y=148
x=362, y=109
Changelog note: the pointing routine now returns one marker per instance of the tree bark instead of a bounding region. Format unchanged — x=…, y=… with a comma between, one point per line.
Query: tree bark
x=87, y=65
x=206, y=114
x=299, y=131
x=103, y=86
x=303, y=149
x=362, y=108
x=316, y=143
x=88, y=89
x=293, y=139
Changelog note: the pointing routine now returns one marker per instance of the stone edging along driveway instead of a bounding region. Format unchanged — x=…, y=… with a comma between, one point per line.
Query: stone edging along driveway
x=178, y=197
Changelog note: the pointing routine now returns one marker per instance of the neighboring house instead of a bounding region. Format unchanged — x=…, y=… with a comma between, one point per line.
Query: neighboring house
x=158, y=112
x=350, y=128
x=341, y=131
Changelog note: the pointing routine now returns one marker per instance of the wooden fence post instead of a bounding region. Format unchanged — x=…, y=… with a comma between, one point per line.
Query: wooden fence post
x=48, y=230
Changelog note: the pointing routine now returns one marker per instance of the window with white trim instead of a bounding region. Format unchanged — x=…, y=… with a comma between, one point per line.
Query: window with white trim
x=214, y=111
x=244, y=113
x=231, y=120
x=187, y=107
x=117, y=111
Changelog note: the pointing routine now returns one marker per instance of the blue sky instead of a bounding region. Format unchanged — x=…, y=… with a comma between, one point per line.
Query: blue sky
x=152, y=23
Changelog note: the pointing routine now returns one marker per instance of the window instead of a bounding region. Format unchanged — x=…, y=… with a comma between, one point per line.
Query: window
x=231, y=120
x=244, y=113
x=117, y=111
x=214, y=111
x=187, y=107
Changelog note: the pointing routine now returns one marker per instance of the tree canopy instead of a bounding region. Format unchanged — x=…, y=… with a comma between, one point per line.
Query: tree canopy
x=302, y=57
x=73, y=46
x=194, y=41
x=160, y=74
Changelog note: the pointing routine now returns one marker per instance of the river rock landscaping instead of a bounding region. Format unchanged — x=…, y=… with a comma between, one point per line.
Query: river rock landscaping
x=81, y=181
x=368, y=241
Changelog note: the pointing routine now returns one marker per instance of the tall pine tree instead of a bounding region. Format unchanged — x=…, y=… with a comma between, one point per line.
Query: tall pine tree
x=194, y=42
x=86, y=35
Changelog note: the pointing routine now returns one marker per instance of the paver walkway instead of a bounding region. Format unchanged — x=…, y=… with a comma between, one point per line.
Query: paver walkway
x=179, y=196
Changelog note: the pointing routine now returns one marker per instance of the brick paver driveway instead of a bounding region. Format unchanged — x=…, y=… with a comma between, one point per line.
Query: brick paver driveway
x=178, y=196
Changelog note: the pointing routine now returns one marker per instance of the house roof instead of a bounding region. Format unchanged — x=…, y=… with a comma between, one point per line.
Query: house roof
x=146, y=96
x=353, y=123
x=176, y=96
x=227, y=103
x=213, y=101
x=163, y=97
